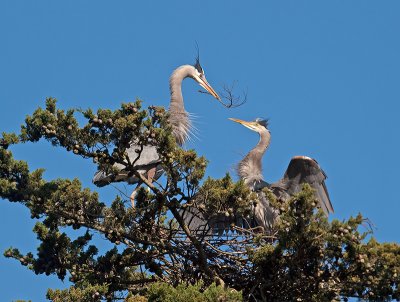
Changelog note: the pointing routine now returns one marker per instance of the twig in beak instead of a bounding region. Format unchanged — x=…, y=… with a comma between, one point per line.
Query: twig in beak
x=233, y=101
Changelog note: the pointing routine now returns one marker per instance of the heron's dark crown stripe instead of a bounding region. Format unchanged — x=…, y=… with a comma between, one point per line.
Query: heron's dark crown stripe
x=198, y=66
x=262, y=122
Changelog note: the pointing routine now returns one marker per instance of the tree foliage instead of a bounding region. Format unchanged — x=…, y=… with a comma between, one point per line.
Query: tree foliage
x=156, y=256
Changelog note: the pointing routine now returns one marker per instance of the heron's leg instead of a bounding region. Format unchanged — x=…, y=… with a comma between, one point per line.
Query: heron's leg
x=133, y=195
x=150, y=177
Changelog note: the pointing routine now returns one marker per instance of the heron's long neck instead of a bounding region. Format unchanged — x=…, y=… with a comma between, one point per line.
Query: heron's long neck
x=250, y=168
x=178, y=117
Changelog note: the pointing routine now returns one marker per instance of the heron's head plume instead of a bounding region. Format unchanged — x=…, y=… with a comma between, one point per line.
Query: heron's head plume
x=258, y=125
x=199, y=76
x=198, y=67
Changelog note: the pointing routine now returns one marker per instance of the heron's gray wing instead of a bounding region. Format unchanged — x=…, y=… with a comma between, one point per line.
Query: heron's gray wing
x=196, y=221
x=303, y=169
x=201, y=224
x=147, y=156
x=144, y=160
x=264, y=215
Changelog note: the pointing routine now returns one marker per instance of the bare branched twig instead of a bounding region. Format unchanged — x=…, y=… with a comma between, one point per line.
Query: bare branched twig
x=233, y=100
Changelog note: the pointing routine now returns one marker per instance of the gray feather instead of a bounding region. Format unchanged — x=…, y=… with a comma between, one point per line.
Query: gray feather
x=196, y=222
x=302, y=170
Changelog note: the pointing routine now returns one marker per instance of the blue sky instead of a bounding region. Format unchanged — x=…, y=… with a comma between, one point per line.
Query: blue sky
x=326, y=73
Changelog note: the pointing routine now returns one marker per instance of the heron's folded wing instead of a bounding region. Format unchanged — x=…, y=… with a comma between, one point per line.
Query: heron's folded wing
x=264, y=214
x=218, y=224
x=196, y=222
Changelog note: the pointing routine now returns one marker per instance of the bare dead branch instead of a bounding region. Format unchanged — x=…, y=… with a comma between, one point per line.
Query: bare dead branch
x=232, y=100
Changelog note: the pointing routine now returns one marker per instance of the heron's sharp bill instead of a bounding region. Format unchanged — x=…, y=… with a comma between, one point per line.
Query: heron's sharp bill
x=203, y=83
x=237, y=120
x=249, y=125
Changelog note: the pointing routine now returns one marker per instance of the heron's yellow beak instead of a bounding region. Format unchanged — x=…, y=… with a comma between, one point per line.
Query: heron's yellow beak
x=203, y=83
x=237, y=120
x=249, y=125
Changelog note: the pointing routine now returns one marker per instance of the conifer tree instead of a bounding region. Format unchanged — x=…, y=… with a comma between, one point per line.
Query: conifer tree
x=156, y=256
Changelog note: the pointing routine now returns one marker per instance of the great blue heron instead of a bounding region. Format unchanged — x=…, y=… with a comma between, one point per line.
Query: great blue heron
x=301, y=169
x=148, y=164
x=250, y=171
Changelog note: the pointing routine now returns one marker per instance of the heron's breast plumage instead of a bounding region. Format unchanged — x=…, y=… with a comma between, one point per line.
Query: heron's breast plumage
x=181, y=126
x=250, y=170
